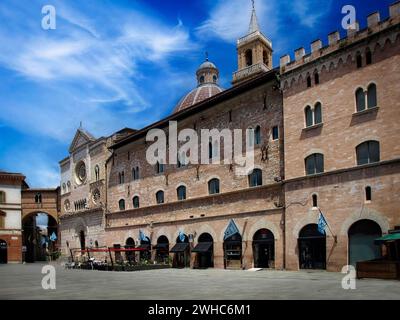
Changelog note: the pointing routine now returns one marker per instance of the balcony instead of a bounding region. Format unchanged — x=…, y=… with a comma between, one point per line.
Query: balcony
x=250, y=70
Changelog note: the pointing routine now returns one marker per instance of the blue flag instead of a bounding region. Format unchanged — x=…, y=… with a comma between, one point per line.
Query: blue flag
x=142, y=237
x=53, y=237
x=181, y=236
x=231, y=229
x=322, y=223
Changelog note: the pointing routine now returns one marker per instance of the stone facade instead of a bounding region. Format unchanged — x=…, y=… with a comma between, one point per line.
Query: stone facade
x=363, y=58
x=285, y=208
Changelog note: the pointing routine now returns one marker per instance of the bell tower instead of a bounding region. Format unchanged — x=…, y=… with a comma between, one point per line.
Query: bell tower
x=254, y=52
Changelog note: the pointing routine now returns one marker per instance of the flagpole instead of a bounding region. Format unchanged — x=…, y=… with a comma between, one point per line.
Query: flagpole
x=329, y=227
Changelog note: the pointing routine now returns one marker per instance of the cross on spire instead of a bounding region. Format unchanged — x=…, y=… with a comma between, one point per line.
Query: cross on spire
x=206, y=55
x=253, y=21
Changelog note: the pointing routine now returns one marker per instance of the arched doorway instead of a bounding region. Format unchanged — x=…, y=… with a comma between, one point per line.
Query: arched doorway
x=264, y=249
x=145, y=244
x=162, y=249
x=3, y=251
x=205, y=251
x=130, y=255
x=361, y=241
x=39, y=236
x=182, y=252
x=233, y=252
x=312, y=248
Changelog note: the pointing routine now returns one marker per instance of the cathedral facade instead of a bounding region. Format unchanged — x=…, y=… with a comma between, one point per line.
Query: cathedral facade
x=323, y=129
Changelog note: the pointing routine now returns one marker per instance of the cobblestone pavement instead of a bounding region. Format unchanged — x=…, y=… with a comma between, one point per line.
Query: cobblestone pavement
x=24, y=282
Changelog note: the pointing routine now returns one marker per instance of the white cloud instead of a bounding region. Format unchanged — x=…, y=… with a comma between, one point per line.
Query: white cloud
x=85, y=62
x=229, y=19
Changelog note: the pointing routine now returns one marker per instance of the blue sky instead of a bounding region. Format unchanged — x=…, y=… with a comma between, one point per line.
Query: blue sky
x=126, y=63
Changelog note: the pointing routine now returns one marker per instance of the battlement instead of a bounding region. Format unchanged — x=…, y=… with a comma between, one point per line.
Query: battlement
x=374, y=25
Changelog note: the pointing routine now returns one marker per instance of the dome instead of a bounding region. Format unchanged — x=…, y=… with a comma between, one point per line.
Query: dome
x=198, y=94
x=207, y=86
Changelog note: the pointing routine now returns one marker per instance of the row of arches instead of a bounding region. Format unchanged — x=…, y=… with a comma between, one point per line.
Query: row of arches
x=311, y=248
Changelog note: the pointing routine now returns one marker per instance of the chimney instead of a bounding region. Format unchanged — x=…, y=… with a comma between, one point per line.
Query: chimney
x=373, y=19
x=394, y=9
x=285, y=60
x=316, y=45
x=299, y=53
x=353, y=29
x=333, y=37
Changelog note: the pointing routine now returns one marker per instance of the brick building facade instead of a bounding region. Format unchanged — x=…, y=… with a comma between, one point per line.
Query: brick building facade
x=324, y=128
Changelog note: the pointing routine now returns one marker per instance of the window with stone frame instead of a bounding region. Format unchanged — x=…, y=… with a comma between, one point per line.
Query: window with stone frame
x=135, y=202
x=213, y=186
x=160, y=197
x=181, y=192
x=255, y=178
x=368, y=152
x=2, y=220
x=314, y=164
x=121, y=204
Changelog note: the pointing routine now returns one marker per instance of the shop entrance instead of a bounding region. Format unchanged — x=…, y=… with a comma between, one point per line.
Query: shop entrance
x=162, y=249
x=312, y=248
x=182, y=252
x=205, y=251
x=264, y=249
x=233, y=252
x=361, y=241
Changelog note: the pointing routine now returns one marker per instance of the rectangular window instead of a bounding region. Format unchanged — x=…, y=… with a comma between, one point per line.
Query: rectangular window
x=275, y=133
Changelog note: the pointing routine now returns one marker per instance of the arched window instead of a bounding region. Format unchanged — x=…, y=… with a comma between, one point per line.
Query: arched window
x=215, y=79
x=202, y=79
x=368, y=193
x=317, y=113
x=359, y=60
x=255, y=178
x=360, y=99
x=314, y=164
x=368, y=56
x=97, y=172
x=121, y=177
x=121, y=204
x=316, y=78
x=68, y=186
x=38, y=198
x=371, y=94
x=308, y=82
x=309, y=116
x=181, y=192
x=135, y=202
x=257, y=135
x=213, y=186
x=64, y=188
x=368, y=152
x=249, y=58
x=315, y=200
x=133, y=173
x=265, y=58
x=160, y=197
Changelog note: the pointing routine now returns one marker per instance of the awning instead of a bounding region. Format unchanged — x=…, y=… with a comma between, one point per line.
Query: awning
x=202, y=247
x=179, y=247
x=388, y=237
x=161, y=246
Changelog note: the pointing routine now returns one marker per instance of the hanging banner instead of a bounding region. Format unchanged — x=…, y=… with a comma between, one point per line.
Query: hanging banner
x=231, y=229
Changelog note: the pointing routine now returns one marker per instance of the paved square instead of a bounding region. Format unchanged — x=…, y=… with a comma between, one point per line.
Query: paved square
x=24, y=282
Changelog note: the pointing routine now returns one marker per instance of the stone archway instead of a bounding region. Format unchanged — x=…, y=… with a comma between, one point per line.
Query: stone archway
x=40, y=236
